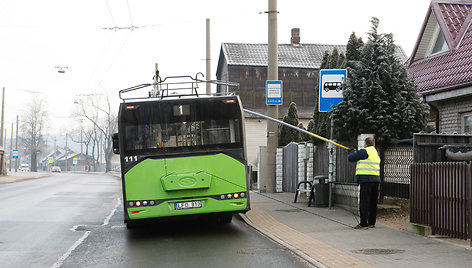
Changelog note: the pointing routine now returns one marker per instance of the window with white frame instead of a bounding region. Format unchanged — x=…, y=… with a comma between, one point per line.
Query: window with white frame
x=440, y=44
x=467, y=123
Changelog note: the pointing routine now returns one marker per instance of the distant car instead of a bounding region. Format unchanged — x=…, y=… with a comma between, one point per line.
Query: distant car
x=55, y=169
x=24, y=168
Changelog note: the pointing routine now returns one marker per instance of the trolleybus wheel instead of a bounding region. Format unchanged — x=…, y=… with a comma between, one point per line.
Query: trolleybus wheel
x=130, y=225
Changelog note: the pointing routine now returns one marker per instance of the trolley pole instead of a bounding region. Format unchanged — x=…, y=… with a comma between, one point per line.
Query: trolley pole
x=208, y=57
x=155, y=90
x=272, y=110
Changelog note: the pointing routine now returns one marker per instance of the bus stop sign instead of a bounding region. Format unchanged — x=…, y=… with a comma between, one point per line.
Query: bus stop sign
x=273, y=92
x=330, y=92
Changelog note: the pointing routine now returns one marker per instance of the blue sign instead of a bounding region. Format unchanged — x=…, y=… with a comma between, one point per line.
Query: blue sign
x=14, y=154
x=273, y=92
x=330, y=93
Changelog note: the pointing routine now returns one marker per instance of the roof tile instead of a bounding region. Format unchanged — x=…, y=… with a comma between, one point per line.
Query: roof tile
x=450, y=68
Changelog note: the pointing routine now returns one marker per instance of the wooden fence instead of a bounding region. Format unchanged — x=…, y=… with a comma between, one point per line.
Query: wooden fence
x=441, y=197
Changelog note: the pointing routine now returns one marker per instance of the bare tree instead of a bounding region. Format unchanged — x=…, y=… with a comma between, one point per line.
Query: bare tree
x=97, y=109
x=32, y=124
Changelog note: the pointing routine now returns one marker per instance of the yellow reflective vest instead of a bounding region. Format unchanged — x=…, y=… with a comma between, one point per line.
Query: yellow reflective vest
x=371, y=165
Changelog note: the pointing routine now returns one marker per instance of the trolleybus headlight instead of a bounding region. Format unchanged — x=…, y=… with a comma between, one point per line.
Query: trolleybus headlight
x=131, y=203
x=235, y=195
x=242, y=195
x=152, y=203
x=138, y=203
x=229, y=196
x=222, y=196
x=145, y=203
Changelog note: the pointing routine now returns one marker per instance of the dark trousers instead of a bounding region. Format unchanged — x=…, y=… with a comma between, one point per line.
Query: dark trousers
x=368, y=203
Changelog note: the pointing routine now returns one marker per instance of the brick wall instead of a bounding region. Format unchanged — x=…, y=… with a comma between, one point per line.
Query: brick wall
x=451, y=112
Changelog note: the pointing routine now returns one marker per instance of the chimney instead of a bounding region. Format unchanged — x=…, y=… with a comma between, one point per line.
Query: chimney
x=295, y=39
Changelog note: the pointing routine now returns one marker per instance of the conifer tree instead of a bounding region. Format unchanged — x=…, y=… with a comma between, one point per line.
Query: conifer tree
x=353, y=48
x=321, y=121
x=286, y=134
x=378, y=97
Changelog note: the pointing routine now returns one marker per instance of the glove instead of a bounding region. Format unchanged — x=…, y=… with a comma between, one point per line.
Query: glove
x=350, y=150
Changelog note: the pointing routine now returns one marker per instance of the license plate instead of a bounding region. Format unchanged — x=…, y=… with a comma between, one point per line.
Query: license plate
x=187, y=205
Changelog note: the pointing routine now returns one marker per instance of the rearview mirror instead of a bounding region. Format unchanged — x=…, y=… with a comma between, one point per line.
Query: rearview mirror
x=116, y=143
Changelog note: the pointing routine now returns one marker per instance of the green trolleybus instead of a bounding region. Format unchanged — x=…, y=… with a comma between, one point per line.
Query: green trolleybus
x=181, y=154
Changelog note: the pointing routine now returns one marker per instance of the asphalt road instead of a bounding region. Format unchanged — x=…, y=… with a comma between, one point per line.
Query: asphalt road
x=75, y=220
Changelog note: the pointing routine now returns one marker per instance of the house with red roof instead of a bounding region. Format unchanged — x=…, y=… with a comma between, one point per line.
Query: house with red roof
x=441, y=65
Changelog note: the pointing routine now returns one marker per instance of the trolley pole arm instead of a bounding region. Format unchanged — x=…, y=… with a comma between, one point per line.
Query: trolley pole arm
x=296, y=128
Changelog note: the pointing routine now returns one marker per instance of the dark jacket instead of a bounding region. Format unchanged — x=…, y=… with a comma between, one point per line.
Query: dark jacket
x=355, y=156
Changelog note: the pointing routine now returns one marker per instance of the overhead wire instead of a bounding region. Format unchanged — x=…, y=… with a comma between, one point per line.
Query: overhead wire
x=111, y=14
x=114, y=60
x=129, y=13
x=114, y=28
x=102, y=57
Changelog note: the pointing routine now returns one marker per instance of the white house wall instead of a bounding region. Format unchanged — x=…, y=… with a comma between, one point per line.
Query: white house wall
x=256, y=136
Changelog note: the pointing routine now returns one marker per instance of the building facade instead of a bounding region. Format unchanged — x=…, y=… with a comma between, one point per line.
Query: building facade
x=246, y=64
x=441, y=65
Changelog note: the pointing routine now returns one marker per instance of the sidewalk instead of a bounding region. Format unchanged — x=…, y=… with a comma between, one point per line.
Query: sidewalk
x=22, y=176
x=326, y=238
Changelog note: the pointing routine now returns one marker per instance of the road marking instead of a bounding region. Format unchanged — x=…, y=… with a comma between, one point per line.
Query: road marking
x=74, y=246
x=84, y=236
x=107, y=219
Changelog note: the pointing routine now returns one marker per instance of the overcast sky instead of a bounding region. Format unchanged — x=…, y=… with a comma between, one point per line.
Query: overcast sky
x=38, y=36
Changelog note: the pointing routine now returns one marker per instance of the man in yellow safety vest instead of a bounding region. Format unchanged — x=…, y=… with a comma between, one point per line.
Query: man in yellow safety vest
x=368, y=176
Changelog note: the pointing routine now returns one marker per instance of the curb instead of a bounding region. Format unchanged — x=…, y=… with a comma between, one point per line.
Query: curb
x=282, y=243
x=24, y=179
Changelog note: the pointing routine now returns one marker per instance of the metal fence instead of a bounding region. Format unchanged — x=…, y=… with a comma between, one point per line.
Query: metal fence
x=290, y=167
x=396, y=171
x=441, y=197
x=396, y=168
x=344, y=169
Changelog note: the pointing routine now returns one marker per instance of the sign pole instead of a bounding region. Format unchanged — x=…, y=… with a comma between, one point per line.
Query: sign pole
x=331, y=167
x=330, y=94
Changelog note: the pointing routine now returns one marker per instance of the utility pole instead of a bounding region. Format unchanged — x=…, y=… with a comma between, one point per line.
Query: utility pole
x=16, y=145
x=267, y=165
x=55, y=150
x=65, y=166
x=3, y=116
x=81, y=151
x=272, y=110
x=208, y=57
x=11, y=146
x=1, y=132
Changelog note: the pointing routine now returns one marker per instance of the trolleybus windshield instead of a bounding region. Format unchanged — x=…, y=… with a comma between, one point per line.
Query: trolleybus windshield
x=171, y=126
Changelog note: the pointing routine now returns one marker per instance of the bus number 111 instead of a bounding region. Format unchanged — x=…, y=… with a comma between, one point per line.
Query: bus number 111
x=131, y=158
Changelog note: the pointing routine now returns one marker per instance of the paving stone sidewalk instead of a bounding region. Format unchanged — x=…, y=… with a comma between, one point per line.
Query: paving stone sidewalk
x=326, y=237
